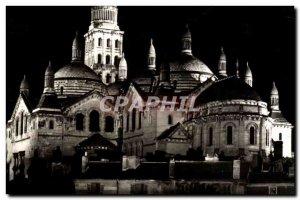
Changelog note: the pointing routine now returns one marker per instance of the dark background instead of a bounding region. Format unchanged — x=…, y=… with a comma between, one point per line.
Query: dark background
x=265, y=36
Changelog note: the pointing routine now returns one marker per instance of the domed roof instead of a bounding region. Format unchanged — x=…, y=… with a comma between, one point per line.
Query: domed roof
x=24, y=83
x=189, y=63
x=76, y=70
x=229, y=89
x=49, y=70
x=123, y=63
x=116, y=88
x=151, y=48
x=274, y=90
x=248, y=72
x=186, y=33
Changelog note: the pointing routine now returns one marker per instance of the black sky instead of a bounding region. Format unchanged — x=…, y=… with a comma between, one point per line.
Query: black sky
x=265, y=36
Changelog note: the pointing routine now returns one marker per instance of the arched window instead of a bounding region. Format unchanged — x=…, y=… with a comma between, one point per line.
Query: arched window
x=116, y=43
x=94, y=121
x=21, y=127
x=252, y=135
x=108, y=43
x=99, y=58
x=17, y=127
x=79, y=121
x=61, y=90
x=267, y=138
x=25, y=124
x=170, y=119
x=280, y=136
x=229, y=134
x=140, y=120
x=33, y=125
x=116, y=59
x=51, y=124
x=210, y=137
x=100, y=42
x=107, y=59
x=108, y=78
x=109, y=124
x=140, y=149
x=127, y=123
x=133, y=119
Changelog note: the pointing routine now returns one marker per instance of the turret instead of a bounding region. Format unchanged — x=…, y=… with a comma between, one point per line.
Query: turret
x=49, y=79
x=123, y=68
x=151, y=57
x=237, y=72
x=248, y=75
x=222, y=64
x=77, y=54
x=24, y=87
x=274, y=98
x=186, y=42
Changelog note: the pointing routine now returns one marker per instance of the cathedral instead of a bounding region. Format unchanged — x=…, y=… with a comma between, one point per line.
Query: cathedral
x=229, y=116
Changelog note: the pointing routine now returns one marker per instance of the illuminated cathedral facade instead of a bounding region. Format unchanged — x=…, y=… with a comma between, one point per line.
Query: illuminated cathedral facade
x=231, y=117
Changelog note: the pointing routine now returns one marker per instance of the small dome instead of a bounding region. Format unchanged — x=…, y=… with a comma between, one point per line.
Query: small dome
x=151, y=49
x=228, y=89
x=189, y=63
x=24, y=83
x=222, y=56
x=76, y=41
x=76, y=70
x=248, y=72
x=116, y=88
x=49, y=70
x=274, y=90
x=187, y=33
x=123, y=63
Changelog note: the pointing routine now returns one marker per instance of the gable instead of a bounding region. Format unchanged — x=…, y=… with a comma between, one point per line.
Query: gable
x=22, y=105
x=177, y=133
x=132, y=95
x=87, y=103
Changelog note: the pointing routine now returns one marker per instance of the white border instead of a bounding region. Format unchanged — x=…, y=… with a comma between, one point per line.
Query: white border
x=115, y=2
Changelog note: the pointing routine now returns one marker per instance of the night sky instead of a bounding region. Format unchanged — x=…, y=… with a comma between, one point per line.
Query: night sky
x=265, y=36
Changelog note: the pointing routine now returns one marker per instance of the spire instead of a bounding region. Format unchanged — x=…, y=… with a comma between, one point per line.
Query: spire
x=222, y=64
x=49, y=79
x=123, y=68
x=77, y=49
x=49, y=70
x=274, y=90
x=274, y=98
x=186, y=41
x=24, y=87
x=248, y=75
x=237, y=68
x=151, y=56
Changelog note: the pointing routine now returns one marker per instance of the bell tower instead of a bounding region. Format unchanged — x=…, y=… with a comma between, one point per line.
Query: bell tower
x=104, y=43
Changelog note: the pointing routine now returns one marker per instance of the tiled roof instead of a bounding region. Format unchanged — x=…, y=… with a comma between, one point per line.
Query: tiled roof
x=228, y=89
x=76, y=70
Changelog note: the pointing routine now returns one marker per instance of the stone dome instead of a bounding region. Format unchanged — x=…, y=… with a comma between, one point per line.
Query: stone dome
x=49, y=70
x=115, y=89
x=76, y=70
x=229, y=89
x=274, y=90
x=189, y=63
x=24, y=83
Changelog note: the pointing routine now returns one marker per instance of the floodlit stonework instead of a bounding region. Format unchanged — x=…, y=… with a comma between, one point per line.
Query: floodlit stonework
x=232, y=119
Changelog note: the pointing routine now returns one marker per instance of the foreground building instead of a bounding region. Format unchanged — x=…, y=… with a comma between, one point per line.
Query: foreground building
x=229, y=117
